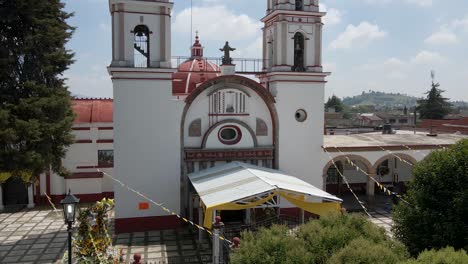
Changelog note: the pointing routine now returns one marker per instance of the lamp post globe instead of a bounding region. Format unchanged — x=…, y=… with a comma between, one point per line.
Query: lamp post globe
x=69, y=204
x=69, y=207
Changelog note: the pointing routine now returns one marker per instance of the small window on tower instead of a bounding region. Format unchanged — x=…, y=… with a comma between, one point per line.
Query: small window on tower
x=141, y=46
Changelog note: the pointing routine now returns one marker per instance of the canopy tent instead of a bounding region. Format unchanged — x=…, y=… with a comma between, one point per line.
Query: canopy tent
x=238, y=186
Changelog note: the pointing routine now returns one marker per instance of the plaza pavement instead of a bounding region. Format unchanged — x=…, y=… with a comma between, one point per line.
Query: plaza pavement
x=39, y=236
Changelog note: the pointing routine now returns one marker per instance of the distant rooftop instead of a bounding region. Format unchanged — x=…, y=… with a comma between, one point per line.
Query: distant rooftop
x=400, y=141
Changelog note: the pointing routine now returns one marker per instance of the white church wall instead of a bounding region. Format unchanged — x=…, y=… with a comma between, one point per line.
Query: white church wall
x=147, y=145
x=255, y=108
x=300, y=142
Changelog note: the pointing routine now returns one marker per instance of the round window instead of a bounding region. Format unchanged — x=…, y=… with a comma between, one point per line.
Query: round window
x=301, y=115
x=229, y=135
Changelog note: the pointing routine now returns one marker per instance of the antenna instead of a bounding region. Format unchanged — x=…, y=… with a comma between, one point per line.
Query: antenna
x=191, y=22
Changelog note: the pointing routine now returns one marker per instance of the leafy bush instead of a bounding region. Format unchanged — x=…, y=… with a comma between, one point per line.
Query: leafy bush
x=443, y=256
x=314, y=242
x=331, y=233
x=437, y=214
x=364, y=251
x=272, y=245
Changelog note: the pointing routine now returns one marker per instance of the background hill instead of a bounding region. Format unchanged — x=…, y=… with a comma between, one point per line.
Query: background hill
x=388, y=100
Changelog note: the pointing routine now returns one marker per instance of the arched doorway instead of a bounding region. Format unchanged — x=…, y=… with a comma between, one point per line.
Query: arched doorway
x=357, y=179
x=15, y=192
x=394, y=172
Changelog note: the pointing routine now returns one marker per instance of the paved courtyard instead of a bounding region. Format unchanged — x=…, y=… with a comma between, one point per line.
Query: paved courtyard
x=39, y=236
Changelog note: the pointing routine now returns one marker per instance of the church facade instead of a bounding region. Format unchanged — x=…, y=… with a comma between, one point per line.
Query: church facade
x=170, y=122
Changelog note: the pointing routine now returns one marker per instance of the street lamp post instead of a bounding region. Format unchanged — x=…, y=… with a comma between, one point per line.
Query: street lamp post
x=69, y=207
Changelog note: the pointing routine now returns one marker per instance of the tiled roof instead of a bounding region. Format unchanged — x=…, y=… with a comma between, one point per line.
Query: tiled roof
x=93, y=110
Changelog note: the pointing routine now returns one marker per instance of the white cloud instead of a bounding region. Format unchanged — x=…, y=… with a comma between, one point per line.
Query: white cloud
x=253, y=50
x=333, y=16
x=422, y=3
x=441, y=38
x=95, y=82
x=217, y=23
x=330, y=67
x=360, y=35
x=428, y=57
x=460, y=24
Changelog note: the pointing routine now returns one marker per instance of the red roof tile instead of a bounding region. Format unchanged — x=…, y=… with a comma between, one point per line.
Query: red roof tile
x=93, y=110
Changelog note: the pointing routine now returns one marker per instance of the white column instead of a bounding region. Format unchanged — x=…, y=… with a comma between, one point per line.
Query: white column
x=247, y=216
x=191, y=207
x=200, y=223
x=30, y=196
x=1, y=198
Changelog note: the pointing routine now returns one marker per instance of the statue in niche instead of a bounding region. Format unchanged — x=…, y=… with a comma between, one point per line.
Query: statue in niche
x=227, y=60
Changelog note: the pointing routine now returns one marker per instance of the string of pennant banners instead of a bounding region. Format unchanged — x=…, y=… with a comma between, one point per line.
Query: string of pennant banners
x=381, y=186
x=160, y=205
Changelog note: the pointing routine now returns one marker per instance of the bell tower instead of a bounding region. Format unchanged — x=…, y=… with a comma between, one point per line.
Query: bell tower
x=141, y=33
x=292, y=53
x=146, y=116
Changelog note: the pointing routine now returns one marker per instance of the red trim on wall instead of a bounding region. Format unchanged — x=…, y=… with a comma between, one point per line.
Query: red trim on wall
x=228, y=114
x=243, y=154
x=142, y=224
x=95, y=167
x=83, y=141
x=84, y=198
x=105, y=128
x=85, y=175
x=81, y=128
x=105, y=141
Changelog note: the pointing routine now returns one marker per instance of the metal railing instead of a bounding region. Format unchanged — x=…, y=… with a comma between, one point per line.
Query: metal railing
x=243, y=65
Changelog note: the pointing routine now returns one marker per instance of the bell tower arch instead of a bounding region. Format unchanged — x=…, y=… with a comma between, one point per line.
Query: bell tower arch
x=141, y=33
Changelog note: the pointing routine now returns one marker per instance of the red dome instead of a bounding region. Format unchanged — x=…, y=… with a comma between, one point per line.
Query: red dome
x=193, y=72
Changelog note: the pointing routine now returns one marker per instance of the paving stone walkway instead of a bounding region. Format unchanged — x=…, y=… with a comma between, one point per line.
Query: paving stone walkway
x=39, y=236
x=383, y=218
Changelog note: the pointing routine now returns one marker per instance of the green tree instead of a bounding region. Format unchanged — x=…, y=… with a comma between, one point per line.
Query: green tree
x=437, y=213
x=435, y=106
x=363, y=251
x=35, y=107
x=316, y=242
x=443, y=256
x=335, y=102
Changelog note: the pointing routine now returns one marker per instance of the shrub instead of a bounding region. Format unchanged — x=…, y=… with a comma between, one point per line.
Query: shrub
x=331, y=233
x=437, y=214
x=363, y=251
x=443, y=256
x=272, y=245
x=314, y=242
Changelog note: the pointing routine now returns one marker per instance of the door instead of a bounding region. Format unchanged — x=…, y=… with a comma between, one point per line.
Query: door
x=15, y=192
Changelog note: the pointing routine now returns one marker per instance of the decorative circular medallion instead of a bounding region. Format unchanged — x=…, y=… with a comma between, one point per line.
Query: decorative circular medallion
x=229, y=135
x=301, y=115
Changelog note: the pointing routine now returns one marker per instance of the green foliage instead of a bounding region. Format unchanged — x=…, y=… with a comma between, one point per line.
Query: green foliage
x=364, y=251
x=92, y=242
x=314, y=242
x=35, y=110
x=270, y=245
x=335, y=102
x=443, y=256
x=437, y=214
x=434, y=106
x=330, y=234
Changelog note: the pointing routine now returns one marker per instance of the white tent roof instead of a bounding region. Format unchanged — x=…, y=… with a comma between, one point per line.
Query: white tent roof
x=235, y=181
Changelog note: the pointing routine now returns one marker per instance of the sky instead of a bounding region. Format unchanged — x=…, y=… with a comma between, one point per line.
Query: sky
x=380, y=45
